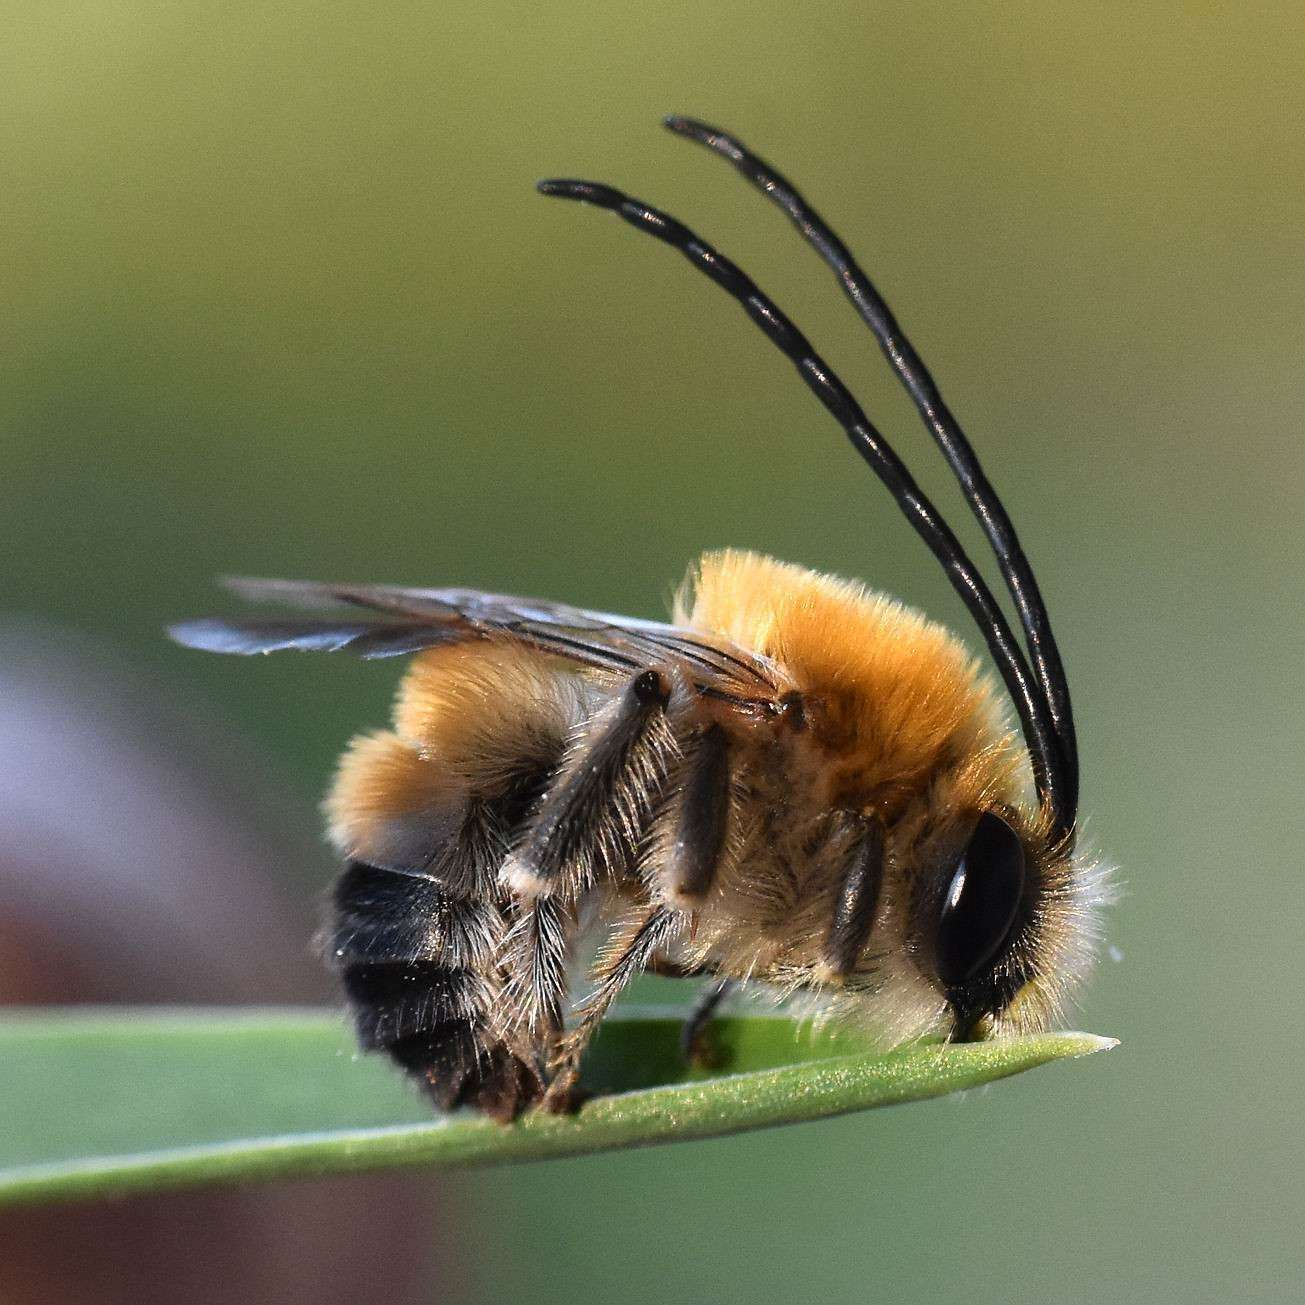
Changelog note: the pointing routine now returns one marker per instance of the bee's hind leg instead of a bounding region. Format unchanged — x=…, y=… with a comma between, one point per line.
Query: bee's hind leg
x=600, y=797
x=630, y=954
x=535, y=964
x=585, y=830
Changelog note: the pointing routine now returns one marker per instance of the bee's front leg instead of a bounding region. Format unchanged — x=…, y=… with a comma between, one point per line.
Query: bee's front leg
x=694, y=1046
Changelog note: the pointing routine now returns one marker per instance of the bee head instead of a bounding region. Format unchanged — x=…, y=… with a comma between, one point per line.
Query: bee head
x=1005, y=924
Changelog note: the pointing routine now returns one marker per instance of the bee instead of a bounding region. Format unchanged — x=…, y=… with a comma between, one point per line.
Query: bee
x=797, y=785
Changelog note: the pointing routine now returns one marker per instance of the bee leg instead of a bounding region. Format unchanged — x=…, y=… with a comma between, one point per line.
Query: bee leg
x=624, y=961
x=855, y=904
x=535, y=990
x=599, y=800
x=695, y=1046
x=534, y=961
x=698, y=830
x=586, y=826
x=665, y=968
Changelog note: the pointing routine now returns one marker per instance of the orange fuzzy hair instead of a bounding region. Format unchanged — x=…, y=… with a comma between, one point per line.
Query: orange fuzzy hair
x=895, y=694
x=464, y=717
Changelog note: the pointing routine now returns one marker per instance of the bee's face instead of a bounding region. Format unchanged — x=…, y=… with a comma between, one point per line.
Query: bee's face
x=975, y=913
x=990, y=911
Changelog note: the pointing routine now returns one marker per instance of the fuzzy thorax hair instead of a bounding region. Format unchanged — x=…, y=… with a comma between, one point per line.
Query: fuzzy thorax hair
x=895, y=699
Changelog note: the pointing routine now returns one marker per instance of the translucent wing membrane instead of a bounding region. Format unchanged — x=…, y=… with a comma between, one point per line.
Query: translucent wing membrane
x=427, y=618
x=369, y=639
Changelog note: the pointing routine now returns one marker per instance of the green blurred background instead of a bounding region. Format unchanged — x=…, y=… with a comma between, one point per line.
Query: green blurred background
x=279, y=299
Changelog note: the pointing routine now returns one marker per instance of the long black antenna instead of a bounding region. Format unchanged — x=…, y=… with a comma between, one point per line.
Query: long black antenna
x=1034, y=713
x=944, y=428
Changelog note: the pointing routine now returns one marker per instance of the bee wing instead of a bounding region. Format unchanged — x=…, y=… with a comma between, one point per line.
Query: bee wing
x=425, y=618
x=370, y=639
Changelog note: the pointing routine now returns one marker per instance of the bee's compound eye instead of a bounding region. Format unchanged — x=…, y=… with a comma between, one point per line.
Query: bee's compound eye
x=981, y=902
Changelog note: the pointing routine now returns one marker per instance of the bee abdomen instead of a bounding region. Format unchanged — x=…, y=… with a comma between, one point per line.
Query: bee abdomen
x=457, y=1067
x=416, y=963
x=394, y=1001
x=386, y=916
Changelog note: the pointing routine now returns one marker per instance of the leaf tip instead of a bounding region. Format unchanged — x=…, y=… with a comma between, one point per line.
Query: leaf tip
x=1087, y=1044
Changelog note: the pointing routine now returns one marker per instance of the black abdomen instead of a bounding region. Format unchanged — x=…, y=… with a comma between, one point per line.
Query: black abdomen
x=417, y=964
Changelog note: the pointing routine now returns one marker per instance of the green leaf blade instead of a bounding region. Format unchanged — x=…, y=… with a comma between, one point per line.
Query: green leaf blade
x=109, y=1102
